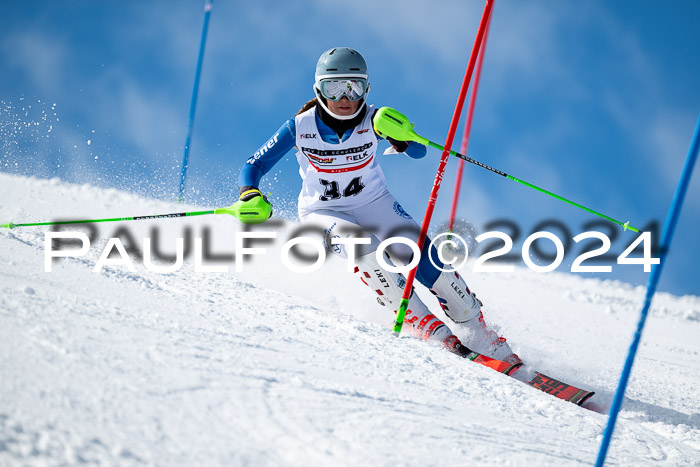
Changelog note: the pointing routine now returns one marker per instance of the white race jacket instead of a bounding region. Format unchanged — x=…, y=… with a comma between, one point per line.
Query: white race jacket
x=337, y=176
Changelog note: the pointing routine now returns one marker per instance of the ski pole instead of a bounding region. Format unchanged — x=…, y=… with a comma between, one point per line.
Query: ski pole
x=392, y=123
x=249, y=214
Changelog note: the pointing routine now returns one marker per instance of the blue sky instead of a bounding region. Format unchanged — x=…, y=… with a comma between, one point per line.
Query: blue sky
x=595, y=101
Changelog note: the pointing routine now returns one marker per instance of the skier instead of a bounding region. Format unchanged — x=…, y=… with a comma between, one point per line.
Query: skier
x=344, y=189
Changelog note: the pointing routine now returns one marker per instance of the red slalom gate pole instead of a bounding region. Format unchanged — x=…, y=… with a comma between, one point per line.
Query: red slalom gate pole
x=401, y=312
x=468, y=129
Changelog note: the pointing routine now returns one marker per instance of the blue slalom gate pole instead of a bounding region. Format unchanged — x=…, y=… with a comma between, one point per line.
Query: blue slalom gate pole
x=193, y=104
x=666, y=237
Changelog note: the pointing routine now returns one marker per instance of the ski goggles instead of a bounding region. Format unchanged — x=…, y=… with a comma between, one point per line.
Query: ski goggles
x=335, y=89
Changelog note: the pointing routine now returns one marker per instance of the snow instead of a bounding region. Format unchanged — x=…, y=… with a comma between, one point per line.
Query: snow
x=269, y=367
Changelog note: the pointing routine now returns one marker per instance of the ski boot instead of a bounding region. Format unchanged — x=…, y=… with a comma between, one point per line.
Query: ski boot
x=462, y=307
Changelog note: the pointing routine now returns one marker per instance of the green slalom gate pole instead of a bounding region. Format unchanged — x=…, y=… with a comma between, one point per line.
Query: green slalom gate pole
x=392, y=123
x=255, y=213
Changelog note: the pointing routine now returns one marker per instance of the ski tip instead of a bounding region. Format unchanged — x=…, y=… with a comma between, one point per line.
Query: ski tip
x=560, y=389
x=582, y=398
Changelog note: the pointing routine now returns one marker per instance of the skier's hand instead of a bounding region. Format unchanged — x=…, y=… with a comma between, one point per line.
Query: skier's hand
x=253, y=203
x=410, y=148
x=399, y=146
x=248, y=193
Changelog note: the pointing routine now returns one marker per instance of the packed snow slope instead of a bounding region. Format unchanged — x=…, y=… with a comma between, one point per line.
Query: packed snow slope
x=271, y=367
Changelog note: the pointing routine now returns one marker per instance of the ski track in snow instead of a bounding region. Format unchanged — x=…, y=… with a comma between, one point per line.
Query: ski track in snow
x=269, y=367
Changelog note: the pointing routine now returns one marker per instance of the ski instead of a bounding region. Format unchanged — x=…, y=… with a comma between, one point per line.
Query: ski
x=559, y=389
x=499, y=366
x=540, y=381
